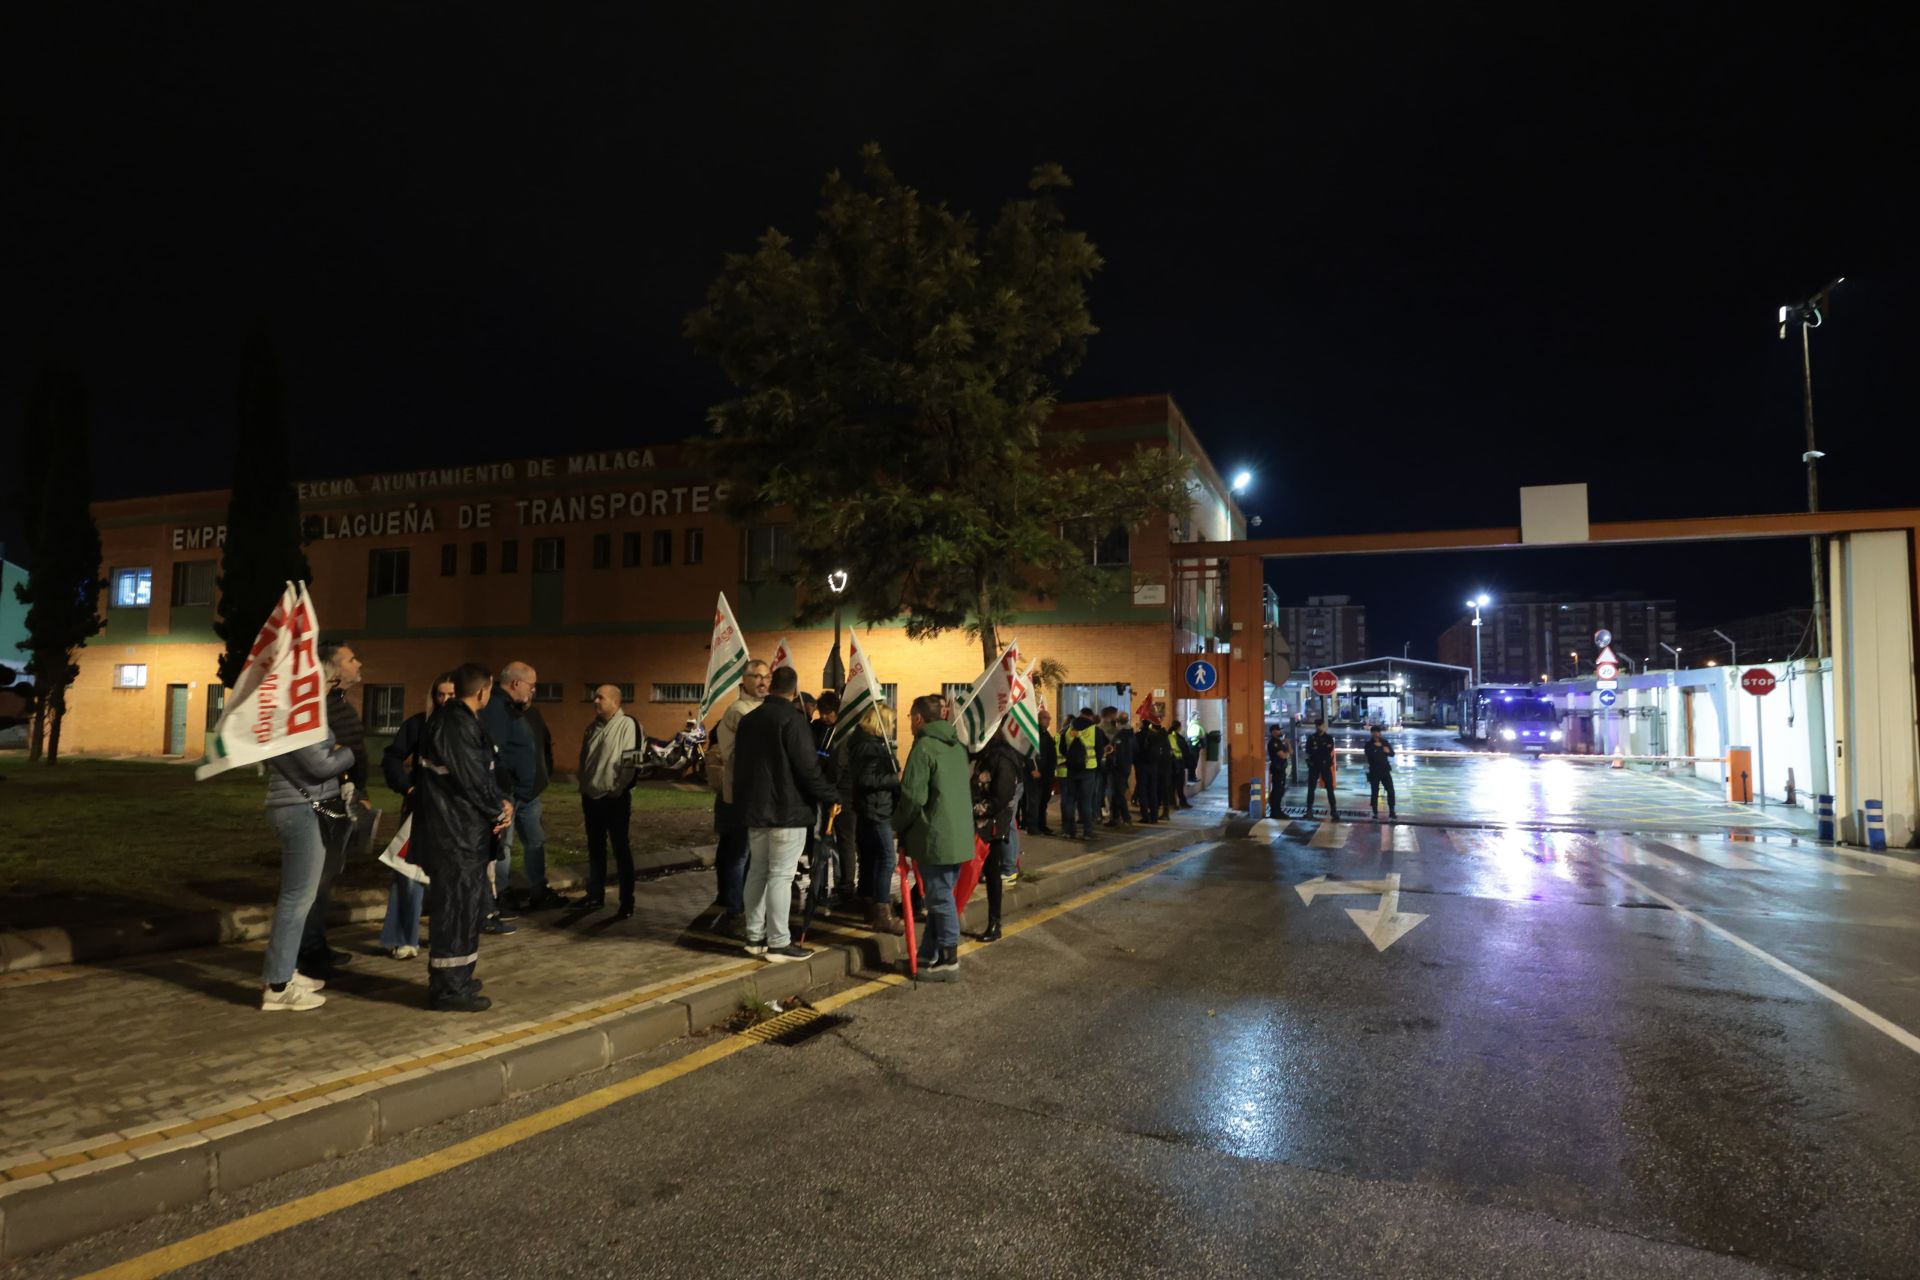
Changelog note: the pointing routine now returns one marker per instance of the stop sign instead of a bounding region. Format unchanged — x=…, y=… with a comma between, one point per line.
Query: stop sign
x=1757, y=681
x=1325, y=683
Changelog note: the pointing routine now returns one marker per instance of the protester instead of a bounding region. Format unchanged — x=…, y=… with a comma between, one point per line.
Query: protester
x=1039, y=788
x=1194, y=741
x=1119, y=770
x=318, y=959
x=875, y=777
x=1150, y=768
x=400, y=935
x=606, y=796
x=502, y=716
x=998, y=774
x=1380, y=772
x=934, y=816
x=541, y=896
x=730, y=855
x=460, y=811
x=832, y=763
x=777, y=785
x=1320, y=768
x=303, y=801
x=1080, y=753
x=1179, y=768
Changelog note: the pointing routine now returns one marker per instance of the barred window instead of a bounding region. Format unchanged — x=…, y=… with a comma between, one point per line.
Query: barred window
x=549, y=691
x=385, y=707
x=603, y=551
x=630, y=551
x=624, y=686
x=679, y=692
x=549, y=555
x=193, y=581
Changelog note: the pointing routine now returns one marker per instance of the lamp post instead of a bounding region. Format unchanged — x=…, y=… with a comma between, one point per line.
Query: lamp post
x=1476, y=604
x=834, y=677
x=1734, y=661
x=1675, y=652
x=1808, y=314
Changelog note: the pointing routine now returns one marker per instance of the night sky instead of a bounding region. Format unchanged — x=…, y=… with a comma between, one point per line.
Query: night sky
x=1399, y=265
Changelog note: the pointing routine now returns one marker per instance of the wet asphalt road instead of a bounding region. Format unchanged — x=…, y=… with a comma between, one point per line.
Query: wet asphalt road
x=1203, y=1074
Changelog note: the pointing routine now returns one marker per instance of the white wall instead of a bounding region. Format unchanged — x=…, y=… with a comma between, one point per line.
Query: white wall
x=1878, y=757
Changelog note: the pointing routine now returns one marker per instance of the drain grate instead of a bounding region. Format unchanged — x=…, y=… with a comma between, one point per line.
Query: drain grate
x=795, y=1026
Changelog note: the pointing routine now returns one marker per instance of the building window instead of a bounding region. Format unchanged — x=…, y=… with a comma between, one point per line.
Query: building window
x=679, y=692
x=694, y=546
x=193, y=582
x=603, y=551
x=890, y=694
x=548, y=691
x=769, y=551
x=663, y=546
x=477, y=558
x=386, y=707
x=625, y=688
x=132, y=588
x=953, y=693
x=1110, y=546
x=549, y=555
x=130, y=675
x=387, y=573
x=510, y=557
x=449, y=559
x=630, y=555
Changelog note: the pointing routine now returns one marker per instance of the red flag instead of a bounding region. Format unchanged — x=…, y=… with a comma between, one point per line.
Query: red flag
x=1145, y=710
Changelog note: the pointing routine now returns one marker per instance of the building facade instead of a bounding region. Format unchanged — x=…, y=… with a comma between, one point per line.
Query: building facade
x=1325, y=631
x=1530, y=638
x=593, y=568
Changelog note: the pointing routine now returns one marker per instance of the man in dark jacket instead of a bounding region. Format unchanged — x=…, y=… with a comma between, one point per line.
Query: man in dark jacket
x=400, y=935
x=1380, y=772
x=998, y=774
x=1119, y=770
x=777, y=788
x=1080, y=749
x=1150, y=768
x=524, y=751
x=1040, y=767
x=458, y=812
x=833, y=763
x=1178, y=749
x=318, y=959
x=1320, y=768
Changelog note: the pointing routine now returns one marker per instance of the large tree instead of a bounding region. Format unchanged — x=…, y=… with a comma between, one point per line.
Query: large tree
x=63, y=594
x=893, y=377
x=265, y=547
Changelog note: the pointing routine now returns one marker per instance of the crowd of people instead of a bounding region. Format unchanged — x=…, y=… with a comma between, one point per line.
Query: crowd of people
x=789, y=781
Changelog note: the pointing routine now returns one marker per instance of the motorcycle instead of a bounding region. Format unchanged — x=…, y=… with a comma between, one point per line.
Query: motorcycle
x=678, y=759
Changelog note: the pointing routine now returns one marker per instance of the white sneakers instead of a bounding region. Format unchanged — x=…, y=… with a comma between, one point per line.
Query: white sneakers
x=297, y=998
x=301, y=980
x=403, y=953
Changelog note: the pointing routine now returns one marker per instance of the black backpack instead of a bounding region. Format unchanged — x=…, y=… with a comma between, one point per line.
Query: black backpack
x=1076, y=752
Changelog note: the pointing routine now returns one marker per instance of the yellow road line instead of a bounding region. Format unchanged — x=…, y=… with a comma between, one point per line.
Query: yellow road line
x=258, y=1226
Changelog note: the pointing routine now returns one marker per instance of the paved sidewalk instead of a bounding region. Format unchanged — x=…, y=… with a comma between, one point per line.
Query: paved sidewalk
x=105, y=1064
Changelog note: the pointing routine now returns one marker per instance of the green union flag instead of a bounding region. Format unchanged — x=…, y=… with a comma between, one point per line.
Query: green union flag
x=1022, y=726
x=726, y=658
x=986, y=706
x=862, y=691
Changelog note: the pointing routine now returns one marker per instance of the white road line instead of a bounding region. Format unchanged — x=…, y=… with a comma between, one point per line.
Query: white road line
x=1890, y=1029
x=1718, y=857
x=1331, y=835
x=1398, y=839
x=1625, y=849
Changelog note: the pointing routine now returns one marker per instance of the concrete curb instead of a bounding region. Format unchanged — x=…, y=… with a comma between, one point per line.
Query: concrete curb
x=50, y=1210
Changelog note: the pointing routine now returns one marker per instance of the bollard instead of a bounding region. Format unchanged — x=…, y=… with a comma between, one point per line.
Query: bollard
x=1826, y=819
x=1876, y=827
x=1255, y=808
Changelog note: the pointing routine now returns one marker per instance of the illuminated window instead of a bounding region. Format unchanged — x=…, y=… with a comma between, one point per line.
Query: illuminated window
x=132, y=588
x=130, y=675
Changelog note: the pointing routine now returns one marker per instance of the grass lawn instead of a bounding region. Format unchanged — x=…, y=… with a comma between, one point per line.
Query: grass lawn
x=93, y=838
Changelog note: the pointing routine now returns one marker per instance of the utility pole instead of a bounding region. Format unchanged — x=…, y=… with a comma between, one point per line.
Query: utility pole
x=1809, y=315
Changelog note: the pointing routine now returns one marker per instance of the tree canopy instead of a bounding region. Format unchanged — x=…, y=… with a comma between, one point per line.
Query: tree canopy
x=893, y=377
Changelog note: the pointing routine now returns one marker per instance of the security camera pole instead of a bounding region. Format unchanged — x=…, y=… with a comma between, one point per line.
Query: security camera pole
x=1809, y=316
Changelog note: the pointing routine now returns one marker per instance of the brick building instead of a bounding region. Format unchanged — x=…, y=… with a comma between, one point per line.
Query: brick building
x=1530, y=636
x=595, y=568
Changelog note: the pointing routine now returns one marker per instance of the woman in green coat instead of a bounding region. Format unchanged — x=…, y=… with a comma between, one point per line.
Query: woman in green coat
x=933, y=817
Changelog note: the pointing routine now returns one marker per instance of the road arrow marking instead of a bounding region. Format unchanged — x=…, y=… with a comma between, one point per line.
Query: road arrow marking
x=1383, y=925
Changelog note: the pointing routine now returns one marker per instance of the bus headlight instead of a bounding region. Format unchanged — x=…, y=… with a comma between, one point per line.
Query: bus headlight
x=1556, y=735
x=1508, y=734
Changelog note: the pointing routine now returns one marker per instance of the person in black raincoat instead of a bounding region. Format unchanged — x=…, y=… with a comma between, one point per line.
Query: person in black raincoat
x=1380, y=772
x=458, y=812
x=1320, y=768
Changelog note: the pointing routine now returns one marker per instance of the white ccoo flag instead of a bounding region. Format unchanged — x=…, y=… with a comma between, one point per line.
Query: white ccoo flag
x=976, y=718
x=862, y=691
x=279, y=703
x=1022, y=723
x=726, y=658
x=782, y=656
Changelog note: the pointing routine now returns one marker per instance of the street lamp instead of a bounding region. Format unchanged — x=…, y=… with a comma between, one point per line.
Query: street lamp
x=1733, y=661
x=1809, y=315
x=834, y=677
x=1242, y=479
x=1476, y=604
x=1675, y=652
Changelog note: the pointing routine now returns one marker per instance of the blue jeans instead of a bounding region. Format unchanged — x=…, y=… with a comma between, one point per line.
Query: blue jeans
x=876, y=860
x=730, y=869
x=302, y=855
x=533, y=848
x=775, y=856
x=943, y=916
x=1079, y=794
x=404, y=897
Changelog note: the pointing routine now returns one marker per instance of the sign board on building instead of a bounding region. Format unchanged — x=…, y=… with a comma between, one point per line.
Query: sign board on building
x=1200, y=675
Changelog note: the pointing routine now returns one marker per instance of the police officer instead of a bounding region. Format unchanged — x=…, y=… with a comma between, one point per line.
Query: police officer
x=1380, y=771
x=1320, y=768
